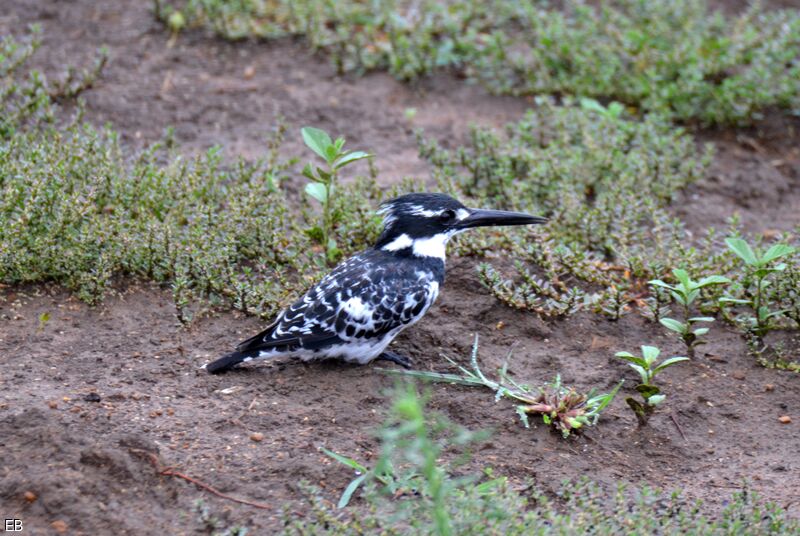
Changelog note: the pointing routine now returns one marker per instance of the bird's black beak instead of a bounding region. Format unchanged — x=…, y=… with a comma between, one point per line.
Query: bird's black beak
x=482, y=218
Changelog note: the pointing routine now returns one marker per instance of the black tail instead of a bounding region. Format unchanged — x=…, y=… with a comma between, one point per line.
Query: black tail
x=226, y=362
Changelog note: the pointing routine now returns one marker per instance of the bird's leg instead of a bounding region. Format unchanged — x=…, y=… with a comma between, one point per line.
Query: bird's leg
x=396, y=358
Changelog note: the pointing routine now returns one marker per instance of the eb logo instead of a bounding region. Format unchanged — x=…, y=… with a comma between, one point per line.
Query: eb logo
x=13, y=525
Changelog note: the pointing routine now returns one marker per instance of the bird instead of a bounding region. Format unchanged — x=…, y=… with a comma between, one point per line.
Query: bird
x=356, y=310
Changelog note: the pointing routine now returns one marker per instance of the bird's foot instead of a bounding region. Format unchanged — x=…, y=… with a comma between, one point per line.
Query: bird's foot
x=396, y=358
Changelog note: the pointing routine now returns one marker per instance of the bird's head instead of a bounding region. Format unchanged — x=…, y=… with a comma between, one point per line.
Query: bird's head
x=422, y=224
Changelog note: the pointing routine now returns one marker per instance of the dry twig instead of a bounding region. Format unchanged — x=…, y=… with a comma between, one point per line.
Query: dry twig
x=169, y=471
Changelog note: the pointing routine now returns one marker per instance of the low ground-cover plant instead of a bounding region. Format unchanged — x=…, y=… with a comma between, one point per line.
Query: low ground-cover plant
x=566, y=409
x=685, y=292
x=413, y=443
x=78, y=209
x=647, y=366
x=212, y=232
x=26, y=95
x=409, y=39
x=677, y=58
x=414, y=489
x=673, y=57
x=604, y=179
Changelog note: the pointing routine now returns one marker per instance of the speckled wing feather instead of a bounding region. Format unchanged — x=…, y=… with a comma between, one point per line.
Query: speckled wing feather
x=365, y=297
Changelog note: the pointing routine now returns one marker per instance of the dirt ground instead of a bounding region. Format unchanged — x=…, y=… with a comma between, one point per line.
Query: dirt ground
x=86, y=399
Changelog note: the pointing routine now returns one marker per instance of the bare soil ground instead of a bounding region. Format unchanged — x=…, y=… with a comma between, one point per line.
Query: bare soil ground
x=86, y=396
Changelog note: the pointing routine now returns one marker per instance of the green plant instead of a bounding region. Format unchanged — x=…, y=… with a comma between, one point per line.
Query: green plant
x=217, y=234
x=576, y=507
x=604, y=179
x=324, y=183
x=412, y=445
x=564, y=408
x=648, y=368
x=751, y=288
x=685, y=292
x=674, y=57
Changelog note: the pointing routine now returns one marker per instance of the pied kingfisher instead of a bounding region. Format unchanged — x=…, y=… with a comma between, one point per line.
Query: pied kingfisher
x=366, y=301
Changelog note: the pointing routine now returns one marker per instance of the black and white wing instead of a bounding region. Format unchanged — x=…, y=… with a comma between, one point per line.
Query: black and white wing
x=363, y=299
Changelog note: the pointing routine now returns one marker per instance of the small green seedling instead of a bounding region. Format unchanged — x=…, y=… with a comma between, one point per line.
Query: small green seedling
x=647, y=368
x=685, y=293
x=562, y=407
x=758, y=267
x=324, y=182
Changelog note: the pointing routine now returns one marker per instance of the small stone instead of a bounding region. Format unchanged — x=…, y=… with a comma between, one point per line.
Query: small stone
x=769, y=387
x=785, y=419
x=92, y=397
x=257, y=436
x=52, y=404
x=738, y=374
x=249, y=72
x=59, y=526
x=30, y=496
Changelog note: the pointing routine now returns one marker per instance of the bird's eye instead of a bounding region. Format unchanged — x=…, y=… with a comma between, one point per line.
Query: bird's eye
x=447, y=216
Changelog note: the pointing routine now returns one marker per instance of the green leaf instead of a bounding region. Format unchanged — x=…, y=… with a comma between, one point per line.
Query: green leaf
x=674, y=325
x=615, y=109
x=669, y=362
x=308, y=172
x=713, y=280
x=775, y=252
x=743, y=250
x=350, y=157
x=692, y=296
x=599, y=402
x=701, y=319
x=489, y=486
x=734, y=300
x=659, y=283
x=683, y=277
x=317, y=191
x=331, y=153
x=656, y=399
x=650, y=353
x=317, y=140
x=699, y=332
x=348, y=492
x=592, y=105
x=349, y=462
x=627, y=356
x=679, y=296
